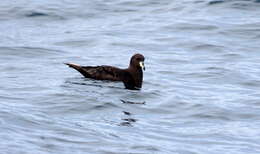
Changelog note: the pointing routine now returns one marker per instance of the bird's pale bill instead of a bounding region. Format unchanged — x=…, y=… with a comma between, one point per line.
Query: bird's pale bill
x=141, y=63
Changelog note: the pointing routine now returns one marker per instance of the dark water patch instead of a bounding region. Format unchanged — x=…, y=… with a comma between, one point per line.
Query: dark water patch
x=142, y=4
x=243, y=6
x=128, y=124
x=215, y=2
x=219, y=70
x=36, y=14
x=147, y=148
x=131, y=102
x=251, y=83
x=212, y=116
x=236, y=4
x=232, y=56
x=46, y=16
x=191, y=27
x=126, y=113
x=105, y=106
x=128, y=121
x=199, y=1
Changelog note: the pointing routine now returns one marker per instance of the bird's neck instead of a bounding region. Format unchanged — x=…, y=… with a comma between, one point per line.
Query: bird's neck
x=137, y=73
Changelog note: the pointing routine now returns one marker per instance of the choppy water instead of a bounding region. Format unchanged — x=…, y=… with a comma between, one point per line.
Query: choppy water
x=201, y=88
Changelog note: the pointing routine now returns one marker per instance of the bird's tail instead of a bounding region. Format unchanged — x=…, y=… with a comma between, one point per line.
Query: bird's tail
x=79, y=69
x=75, y=66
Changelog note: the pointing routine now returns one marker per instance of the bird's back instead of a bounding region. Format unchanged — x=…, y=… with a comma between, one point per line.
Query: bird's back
x=102, y=72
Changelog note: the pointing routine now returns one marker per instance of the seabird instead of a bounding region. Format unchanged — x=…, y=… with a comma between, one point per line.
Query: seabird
x=132, y=77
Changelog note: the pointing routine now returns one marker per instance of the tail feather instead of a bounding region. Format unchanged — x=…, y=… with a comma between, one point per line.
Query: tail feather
x=75, y=66
x=78, y=68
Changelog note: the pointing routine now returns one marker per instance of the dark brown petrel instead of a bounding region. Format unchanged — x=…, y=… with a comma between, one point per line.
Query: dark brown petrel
x=132, y=77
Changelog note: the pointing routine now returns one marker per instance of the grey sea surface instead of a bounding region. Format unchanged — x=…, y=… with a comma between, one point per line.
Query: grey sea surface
x=201, y=90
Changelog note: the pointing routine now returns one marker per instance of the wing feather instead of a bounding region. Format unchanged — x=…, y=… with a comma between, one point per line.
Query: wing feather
x=102, y=72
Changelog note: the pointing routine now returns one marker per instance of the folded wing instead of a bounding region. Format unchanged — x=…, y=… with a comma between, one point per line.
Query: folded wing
x=99, y=72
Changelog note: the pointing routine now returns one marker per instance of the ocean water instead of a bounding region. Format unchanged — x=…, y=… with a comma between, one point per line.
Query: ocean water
x=201, y=90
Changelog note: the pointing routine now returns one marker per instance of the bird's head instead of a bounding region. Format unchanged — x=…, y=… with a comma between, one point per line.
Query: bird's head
x=137, y=61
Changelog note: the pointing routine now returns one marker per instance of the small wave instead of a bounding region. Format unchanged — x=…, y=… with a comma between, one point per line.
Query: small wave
x=208, y=47
x=28, y=52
